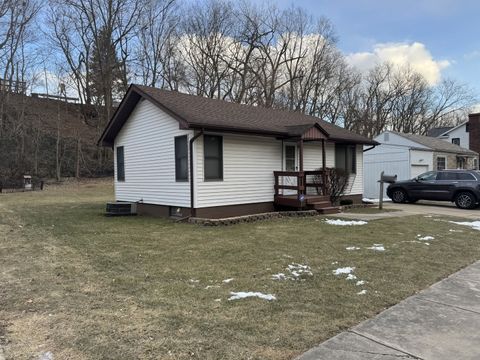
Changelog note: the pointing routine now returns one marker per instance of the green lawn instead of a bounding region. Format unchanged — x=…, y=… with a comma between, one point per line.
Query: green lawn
x=84, y=286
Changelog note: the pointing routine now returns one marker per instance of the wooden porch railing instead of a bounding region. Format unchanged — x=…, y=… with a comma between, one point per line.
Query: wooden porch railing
x=304, y=181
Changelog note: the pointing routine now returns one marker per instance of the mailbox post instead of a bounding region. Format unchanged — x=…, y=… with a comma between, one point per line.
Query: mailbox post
x=389, y=179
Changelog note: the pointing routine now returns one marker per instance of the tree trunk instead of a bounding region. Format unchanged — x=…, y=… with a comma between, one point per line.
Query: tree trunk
x=77, y=167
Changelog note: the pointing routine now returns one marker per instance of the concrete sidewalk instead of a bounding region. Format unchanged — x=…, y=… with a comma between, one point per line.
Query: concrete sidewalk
x=439, y=323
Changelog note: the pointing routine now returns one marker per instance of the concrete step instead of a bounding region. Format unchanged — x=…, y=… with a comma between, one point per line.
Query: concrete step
x=329, y=210
x=316, y=198
x=317, y=205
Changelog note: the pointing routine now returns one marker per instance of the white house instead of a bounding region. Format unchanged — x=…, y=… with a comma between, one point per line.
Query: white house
x=409, y=155
x=458, y=135
x=185, y=155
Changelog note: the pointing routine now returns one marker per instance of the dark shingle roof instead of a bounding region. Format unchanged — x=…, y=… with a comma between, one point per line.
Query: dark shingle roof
x=212, y=114
x=437, y=144
x=436, y=132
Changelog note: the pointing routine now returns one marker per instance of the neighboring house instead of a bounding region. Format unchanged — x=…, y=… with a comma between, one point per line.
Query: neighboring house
x=466, y=134
x=458, y=135
x=235, y=151
x=408, y=155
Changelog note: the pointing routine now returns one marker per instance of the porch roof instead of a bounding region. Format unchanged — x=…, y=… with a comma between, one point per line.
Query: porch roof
x=196, y=112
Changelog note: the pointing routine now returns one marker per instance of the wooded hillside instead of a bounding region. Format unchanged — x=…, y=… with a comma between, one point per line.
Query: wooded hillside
x=49, y=139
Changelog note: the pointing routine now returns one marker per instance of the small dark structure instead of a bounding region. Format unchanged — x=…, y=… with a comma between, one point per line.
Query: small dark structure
x=121, y=208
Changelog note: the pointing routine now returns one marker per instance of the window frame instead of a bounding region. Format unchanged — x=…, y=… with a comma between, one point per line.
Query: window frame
x=180, y=179
x=454, y=141
x=220, y=159
x=120, y=174
x=444, y=161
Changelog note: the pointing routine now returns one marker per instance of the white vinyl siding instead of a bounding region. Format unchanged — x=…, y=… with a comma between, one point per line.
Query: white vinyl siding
x=248, y=166
x=458, y=133
x=312, y=155
x=148, y=138
x=357, y=186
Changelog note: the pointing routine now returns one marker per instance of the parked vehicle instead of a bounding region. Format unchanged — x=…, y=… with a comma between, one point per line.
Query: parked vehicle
x=459, y=186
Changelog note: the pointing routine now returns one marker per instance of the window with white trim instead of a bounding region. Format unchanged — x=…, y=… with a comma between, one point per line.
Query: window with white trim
x=181, y=158
x=441, y=162
x=213, y=157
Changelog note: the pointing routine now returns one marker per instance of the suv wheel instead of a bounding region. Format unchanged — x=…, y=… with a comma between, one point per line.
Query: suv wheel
x=399, y=196
x=465, y=200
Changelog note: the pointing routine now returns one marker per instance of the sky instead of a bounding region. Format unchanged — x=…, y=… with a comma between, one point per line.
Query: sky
x=440, y=38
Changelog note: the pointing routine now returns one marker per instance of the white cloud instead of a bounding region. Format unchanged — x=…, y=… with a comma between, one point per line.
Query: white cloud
x=474, y=55
x=415, y=55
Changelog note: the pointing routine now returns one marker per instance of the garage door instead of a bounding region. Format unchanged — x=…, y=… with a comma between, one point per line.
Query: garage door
x=392, y=160
x=418, y=169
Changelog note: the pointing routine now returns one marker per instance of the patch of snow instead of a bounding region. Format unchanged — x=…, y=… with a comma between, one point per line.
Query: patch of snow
x=194, y=281
x=350, y=248
x=344, y=270
x=374, y=201
x=351, y=277
x=475, y=225
x=377, y=247
x=426, y=238
x=428, y=216
x=217, y=300
x=360, y=282
x=211, y=286
x=226, y=281
x=335, y=263
x=363, y=292
x=296, y=272
x=339, y=222
x=46, y=356
x=455, y=231
x=242, y=295
x=279, y=276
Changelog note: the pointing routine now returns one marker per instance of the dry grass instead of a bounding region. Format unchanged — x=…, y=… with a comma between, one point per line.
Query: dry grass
x=370, y=210
x=84, y=286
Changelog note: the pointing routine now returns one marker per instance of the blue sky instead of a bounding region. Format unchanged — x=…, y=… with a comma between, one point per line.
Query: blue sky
x=448, y=30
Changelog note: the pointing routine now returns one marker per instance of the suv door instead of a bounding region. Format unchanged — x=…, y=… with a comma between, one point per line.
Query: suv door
x=444, y=185
x=419, y=187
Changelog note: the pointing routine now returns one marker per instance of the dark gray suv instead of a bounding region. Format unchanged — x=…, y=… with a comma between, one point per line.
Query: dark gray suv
x=459, y=186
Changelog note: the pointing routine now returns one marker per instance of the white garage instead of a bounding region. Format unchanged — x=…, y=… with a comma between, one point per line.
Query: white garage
x=408, y=156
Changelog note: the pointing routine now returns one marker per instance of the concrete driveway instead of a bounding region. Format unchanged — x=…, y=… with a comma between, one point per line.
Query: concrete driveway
x=435, y=208
x=424, y=208
x=439, y=323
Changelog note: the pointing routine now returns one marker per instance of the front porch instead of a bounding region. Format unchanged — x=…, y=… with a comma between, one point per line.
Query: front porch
x=303, y=190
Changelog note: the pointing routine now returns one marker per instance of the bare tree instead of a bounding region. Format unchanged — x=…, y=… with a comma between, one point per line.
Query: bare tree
x=157, y=32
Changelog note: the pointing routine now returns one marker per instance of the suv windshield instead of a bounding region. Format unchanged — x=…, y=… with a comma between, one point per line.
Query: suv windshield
x=431, y=175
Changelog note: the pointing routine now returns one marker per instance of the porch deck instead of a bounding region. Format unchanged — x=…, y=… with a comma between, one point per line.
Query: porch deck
x=295, y=194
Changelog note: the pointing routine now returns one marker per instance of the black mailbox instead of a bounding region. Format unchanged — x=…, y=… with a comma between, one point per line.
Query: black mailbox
x=390, y=179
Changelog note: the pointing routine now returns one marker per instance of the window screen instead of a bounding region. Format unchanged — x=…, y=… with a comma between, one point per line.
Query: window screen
x=120, y=164
x=346, y=158
x=181, y=158
x=213, y=157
